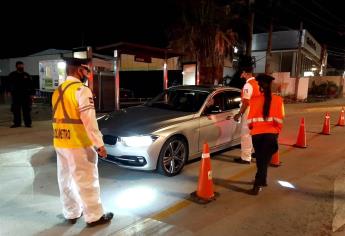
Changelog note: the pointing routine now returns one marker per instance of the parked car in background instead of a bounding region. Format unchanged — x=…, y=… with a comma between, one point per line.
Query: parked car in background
x=171, y=128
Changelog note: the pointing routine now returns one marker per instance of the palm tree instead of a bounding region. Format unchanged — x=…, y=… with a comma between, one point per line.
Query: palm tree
x=205, y=36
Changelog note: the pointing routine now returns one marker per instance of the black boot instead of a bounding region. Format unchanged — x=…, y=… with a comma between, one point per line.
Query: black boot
x=255, y=190
x=106, y=218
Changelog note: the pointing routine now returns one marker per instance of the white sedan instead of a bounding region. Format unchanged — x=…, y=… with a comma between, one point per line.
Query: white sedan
x=171, y=128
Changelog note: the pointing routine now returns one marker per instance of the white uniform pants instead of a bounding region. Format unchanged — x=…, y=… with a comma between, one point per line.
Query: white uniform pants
x=78, y=183
x=246, y=139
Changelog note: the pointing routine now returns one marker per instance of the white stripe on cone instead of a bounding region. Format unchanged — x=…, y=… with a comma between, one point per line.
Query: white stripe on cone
x=205, y=155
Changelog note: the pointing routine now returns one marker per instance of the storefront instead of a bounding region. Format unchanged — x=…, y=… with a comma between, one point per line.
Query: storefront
x=286, y=51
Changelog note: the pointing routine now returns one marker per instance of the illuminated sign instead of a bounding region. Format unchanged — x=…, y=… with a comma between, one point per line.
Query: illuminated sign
x=145, y=59
x=311, y=43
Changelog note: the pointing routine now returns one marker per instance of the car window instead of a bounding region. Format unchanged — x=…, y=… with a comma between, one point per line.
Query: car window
x=215, y=104
x=232, y=100
x=179, y=100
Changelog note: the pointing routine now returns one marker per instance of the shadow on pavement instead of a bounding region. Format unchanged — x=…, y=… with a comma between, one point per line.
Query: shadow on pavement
x=228, y=184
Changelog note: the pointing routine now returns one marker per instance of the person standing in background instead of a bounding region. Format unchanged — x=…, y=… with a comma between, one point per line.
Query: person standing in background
x=22, y=92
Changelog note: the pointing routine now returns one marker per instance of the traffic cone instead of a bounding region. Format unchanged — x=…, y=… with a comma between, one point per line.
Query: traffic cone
x=301, y=137
x=275, y=162
x=326, y=125
x=341, y=121
x=204, y=193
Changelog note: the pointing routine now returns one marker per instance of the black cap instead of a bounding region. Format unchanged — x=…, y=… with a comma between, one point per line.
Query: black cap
x=77, y=61
x=264, y=78
x=19, y=63
x=246, y=63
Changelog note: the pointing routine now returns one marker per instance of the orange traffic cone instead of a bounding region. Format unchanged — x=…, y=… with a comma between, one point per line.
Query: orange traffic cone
x=275, y=162
x=341, y=121
x=204, y=193
x=326, y=125
x=301, y=137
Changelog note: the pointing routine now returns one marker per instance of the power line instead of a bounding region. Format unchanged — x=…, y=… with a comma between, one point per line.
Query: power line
x=336, y=48
x=323, y=8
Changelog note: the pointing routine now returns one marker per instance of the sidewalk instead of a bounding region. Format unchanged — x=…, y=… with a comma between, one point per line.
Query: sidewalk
x=326, y=106
x=39, y=112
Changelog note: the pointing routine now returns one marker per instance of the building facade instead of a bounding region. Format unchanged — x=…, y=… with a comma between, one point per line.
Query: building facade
x=292, y=51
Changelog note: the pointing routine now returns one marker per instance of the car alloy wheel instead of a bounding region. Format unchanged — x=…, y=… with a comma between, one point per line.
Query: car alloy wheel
x=173, y=156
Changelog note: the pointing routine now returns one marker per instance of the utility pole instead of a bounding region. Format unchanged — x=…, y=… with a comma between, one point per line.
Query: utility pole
x=299, y=59
x=269, y=49
x=117, y=66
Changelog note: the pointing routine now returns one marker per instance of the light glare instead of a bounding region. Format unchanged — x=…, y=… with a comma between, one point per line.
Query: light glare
x=137, y=141
x=136, y=197
x=235, y=49
x=61, y=65
x=285, y=184
x=308, y=73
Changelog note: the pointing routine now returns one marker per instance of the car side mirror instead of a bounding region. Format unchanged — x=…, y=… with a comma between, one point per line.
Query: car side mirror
x=213, y=110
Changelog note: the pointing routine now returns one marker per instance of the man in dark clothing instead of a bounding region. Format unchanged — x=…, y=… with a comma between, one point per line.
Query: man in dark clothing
x=21, y=88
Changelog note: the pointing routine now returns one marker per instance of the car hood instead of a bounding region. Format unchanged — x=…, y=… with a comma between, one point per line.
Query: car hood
x=140, y=120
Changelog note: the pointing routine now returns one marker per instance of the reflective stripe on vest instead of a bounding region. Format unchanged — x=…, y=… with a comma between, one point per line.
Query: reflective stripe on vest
x=69, y=131
x=261, y=119
x=274, y=122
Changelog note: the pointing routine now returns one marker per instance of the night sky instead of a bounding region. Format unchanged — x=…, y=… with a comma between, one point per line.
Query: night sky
x=67, y=24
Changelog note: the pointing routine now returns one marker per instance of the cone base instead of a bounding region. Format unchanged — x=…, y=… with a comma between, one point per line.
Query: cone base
x=195, y=198
x=340, y=125
x=299, y=146
x=276, y=165
x=324, y=133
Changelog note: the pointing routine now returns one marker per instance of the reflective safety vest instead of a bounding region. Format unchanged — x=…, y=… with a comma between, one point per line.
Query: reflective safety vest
x=256, y=88
x=68, y=128
x=274, y=122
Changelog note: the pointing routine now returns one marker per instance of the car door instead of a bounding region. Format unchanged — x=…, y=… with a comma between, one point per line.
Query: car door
x=215, y=122
x=232, y=106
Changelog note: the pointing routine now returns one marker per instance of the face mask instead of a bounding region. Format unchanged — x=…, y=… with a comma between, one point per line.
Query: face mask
x=20, y=69
x=83, y=79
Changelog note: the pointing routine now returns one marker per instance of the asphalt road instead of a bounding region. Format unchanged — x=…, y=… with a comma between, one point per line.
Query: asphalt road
x=146, y=203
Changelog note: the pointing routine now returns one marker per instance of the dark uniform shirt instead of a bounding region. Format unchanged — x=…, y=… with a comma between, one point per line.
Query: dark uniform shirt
x=21, y=84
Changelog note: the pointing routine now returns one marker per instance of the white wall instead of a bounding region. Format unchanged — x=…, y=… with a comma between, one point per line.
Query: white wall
x=4, y=67
x=129, y=64
x=302, y=92
x=283, y=83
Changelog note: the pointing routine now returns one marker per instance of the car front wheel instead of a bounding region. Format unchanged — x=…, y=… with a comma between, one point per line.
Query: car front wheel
x=173, y=156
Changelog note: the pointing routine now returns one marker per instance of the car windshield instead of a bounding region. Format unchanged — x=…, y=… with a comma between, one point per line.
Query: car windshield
x=185, y=100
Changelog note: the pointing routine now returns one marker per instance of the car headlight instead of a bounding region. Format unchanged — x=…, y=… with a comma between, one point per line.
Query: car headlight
x=137, y=141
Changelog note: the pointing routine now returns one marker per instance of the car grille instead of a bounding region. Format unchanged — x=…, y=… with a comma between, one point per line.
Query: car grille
x=109, y=139
x=126, y=160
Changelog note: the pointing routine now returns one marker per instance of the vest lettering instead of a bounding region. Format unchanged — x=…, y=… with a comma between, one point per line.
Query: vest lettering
x=62, y=134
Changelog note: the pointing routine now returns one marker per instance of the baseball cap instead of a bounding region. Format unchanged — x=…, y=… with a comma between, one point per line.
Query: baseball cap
x=264, y=78
x=246, y=63
x=78, y=62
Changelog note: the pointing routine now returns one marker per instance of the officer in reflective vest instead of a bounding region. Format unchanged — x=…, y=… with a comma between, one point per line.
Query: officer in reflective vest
x=265, y=121
x=249, y=91
x=76, y=136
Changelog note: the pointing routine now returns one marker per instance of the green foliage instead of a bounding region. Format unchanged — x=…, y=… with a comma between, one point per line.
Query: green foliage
x=326, y=89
